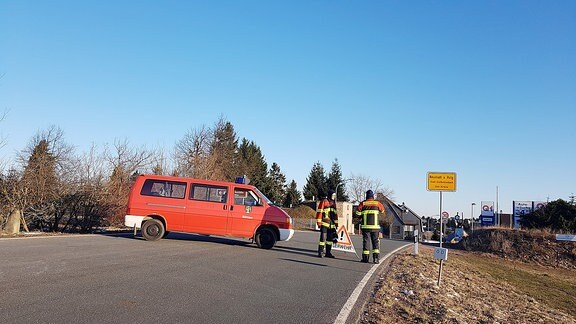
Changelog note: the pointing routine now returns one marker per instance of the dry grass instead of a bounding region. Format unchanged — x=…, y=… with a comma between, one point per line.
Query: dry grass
x=475, y=288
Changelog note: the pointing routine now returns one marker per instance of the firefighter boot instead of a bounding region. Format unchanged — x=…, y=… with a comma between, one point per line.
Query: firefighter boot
x=365, y=258
x=320, y=251
x=375, y=256
x=328, y=249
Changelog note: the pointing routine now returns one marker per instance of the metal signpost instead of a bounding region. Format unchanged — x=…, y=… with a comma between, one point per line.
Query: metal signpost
x=415, y=242
x=441, y=181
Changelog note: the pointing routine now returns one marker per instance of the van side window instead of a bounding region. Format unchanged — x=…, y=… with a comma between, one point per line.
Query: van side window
x=161, y=188
x=246, y=197
x=209, y=193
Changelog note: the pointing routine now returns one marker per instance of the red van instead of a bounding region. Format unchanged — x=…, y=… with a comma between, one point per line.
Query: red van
x=160, y=204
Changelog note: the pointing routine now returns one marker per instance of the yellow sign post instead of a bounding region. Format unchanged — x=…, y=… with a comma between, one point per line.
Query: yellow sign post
x=441, y=181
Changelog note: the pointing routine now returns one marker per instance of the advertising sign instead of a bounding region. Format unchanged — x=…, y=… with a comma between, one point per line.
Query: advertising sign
x=487, y=217
x=520, y=208
x=538, y=204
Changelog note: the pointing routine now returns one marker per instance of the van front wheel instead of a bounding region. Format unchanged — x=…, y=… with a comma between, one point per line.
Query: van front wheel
x=265, y=238
x=152, y=230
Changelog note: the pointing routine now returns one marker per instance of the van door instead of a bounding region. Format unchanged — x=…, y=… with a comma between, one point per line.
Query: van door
x=207, y=209
x=246, y=213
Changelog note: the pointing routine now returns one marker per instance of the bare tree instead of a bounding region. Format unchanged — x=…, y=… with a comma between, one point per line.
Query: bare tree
x=192, y=154
x=160, y=164
x=124, y=162
x=2, y=138
x=12, y=198
x=361, y=183
x=87, y=206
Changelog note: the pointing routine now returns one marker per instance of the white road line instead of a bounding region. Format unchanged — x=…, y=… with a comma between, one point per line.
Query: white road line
x=347, y=308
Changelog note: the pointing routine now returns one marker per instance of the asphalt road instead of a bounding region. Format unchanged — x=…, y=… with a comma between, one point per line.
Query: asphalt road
x=180, y=279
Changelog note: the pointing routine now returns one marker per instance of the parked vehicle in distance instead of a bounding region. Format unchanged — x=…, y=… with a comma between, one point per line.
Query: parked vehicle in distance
x=160, y=204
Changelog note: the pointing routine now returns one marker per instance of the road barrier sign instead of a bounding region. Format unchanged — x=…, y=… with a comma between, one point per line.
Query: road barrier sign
x=344, y=242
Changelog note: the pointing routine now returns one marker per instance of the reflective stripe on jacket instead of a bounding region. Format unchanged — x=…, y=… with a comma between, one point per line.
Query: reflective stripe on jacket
x=326, y=214
x=368, y=210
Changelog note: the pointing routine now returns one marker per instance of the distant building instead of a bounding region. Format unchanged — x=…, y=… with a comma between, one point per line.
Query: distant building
x=403, y=220
x=345, y=214
x=506, y=220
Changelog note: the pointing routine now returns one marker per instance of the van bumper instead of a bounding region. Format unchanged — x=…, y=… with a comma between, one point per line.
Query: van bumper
x=286, y=234
x=133, y=221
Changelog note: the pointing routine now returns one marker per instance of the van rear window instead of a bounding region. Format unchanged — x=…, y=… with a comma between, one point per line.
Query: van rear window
x=161, y=188
x=209, y=193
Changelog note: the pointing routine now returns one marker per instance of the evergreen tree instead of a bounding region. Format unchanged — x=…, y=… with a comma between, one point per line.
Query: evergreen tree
x=293, y=197
x=251, y=163
x=39, y=176
x=335, y=181
x=277, y=181
x=557, y=215
x=41, y=184
x=223, y=151
x=316, y=183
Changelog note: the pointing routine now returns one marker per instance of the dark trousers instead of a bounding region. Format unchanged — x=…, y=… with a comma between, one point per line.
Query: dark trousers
x=370, y=237
x=325, y=241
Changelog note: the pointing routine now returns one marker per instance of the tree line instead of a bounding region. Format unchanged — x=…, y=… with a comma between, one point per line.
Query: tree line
x=51, y=188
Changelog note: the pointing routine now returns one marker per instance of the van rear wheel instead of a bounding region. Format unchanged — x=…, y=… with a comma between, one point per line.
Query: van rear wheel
x=153, y=230
x=265, y=238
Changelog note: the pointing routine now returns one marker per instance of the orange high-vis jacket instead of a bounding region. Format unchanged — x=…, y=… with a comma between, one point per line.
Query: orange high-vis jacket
x=368, y=211
x=326, y=214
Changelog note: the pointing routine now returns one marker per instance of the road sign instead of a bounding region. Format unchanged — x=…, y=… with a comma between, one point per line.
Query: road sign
x=343, y=237
x=565, y=237
x=441, y=181
x=440, y=253
x=344, y=242
x=445, y=216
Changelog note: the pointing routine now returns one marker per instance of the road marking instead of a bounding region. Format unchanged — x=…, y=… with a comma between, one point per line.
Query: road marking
x=347, y=308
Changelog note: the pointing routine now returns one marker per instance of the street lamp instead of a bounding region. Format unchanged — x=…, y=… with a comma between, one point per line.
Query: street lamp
x=338, y=185
x=472, y=215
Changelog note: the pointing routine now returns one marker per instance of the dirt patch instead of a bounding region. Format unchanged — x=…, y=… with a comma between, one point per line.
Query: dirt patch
x=533, y=247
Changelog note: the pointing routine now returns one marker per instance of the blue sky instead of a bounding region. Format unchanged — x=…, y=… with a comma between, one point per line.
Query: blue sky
x=392, y=89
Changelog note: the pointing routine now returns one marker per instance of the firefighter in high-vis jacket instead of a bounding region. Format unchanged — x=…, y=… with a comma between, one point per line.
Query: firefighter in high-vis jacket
x=368, y=212
x=327, y=221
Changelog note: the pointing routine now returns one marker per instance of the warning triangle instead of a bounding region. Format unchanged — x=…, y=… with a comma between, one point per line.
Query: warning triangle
x=344, y=242
x=343, y=237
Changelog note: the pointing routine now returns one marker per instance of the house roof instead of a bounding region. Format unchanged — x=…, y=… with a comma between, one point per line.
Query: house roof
x=409, y=217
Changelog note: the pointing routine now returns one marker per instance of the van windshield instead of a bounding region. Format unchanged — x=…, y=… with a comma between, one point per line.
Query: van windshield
x=270, y=202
